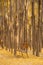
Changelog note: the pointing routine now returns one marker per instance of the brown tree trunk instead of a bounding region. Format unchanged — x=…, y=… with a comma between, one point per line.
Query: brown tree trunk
x=33, y=28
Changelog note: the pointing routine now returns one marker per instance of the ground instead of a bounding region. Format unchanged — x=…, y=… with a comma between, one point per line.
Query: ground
x=6, y=58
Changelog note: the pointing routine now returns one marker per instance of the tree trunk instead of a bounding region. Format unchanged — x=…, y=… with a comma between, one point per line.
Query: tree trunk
x=33, y=28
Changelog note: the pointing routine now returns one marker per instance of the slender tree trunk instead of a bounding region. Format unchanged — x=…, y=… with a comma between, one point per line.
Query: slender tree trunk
x=42, y=23
x=38, y=31
x=15, y=29
x=33, y=28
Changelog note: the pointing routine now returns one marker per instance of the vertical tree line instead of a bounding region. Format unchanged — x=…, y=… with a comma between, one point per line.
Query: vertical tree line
x=14, y=25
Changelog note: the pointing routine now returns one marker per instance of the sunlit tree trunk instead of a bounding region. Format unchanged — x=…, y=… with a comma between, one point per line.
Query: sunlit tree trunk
x=38, y=31
x=25, y=24
x=33, y=27
x=1, y=24
x=20, y=17
x=10, y=30
x=15, y=29
x=30, y=45
x=42, y=23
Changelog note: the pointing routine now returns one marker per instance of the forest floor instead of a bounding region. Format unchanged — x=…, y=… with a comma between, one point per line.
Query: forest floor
x=6, y=58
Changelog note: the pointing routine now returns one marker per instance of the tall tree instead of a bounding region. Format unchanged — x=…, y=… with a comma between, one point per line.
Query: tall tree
x=38, y=31
x=33, y=27
x=42, y=22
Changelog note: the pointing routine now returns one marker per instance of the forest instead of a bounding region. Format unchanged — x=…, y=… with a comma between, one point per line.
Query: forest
x=21, y=32
x=21, y=26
